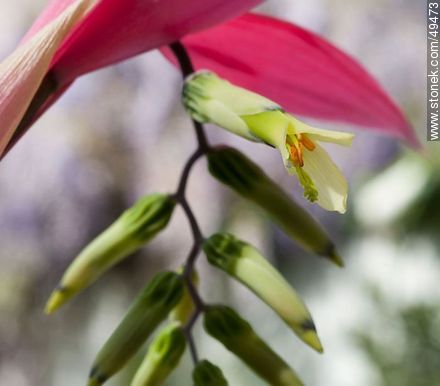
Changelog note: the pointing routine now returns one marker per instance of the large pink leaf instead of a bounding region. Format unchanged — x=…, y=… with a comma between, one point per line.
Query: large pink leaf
x=116, y=30
x=298, y=69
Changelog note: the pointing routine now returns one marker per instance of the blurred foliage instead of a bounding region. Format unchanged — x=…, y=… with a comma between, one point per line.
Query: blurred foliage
x=413, y=359
x=423, y=215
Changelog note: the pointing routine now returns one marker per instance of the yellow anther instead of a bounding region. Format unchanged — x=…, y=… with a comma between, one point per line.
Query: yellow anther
x=306, y=141
x=296, y=144
x=296, y=155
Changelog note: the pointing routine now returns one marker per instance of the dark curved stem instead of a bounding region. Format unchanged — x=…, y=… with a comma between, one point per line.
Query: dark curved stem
x=183, y=58
x=195, y=228
x=187, y=69
x=198, y=302
x=183, y=182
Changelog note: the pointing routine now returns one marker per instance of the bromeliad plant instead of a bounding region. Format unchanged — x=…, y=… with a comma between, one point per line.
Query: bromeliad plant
x=259, y=55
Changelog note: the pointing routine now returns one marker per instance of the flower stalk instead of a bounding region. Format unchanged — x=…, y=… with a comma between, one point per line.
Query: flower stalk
x=187, y=69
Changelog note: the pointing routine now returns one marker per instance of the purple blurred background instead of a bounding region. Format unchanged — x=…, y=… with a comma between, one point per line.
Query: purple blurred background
x=121, y=133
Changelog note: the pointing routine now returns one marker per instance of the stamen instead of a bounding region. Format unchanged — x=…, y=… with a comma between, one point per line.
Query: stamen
x=296, y=143
x=296, y=156
x=306, y=141
x=310, y=191
x=295, y=150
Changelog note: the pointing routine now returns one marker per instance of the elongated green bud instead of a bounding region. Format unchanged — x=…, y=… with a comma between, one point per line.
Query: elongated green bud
x=245, y=263
x=237, y=335
x=135, y=227
x=149, y=309
x=234, y=169
x=208, y=98
x=162, y=357
x=207, y=374
x=185, y=308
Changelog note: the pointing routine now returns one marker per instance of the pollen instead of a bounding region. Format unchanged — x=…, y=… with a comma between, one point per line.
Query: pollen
x=296, y=156
x=306, y=142
x=296, y=145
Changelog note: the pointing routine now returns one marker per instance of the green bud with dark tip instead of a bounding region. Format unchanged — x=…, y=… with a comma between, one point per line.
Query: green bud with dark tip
x=132, y=230
x=207, y=374
x=162, y=357
x=209, y=99
x=237, y=171
x=237, y=335
x=243, y=262
x=149, y=309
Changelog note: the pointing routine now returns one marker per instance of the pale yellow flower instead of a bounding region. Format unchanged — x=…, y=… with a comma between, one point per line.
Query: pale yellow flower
x=209, y=98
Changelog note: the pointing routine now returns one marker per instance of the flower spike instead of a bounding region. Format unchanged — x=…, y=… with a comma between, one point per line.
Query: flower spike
x=209, y=98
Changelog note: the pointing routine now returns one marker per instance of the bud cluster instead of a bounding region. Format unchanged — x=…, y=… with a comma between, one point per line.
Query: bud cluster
x=173, y=297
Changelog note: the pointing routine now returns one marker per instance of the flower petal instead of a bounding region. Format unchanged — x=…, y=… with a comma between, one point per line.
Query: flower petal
x=22, y=72
x=269, y=126
x=338, y=137
x=299, y=70
x=329, y=181
x=224, y=117
x=117, y=30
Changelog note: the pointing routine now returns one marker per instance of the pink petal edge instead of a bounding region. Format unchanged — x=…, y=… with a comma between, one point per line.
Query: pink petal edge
x=23, y=71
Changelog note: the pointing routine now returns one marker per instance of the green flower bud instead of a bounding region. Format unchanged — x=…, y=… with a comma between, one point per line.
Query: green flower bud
x=244, y=263
x=234, y=169
x=133, y=229
x=208, y=98
x=237, y=335
x=149, y=309
x=185, y=308
x=162, y=357
x=207, y=374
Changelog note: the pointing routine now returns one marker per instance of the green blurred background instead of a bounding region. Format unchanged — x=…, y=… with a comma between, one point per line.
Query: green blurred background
x=121, y=133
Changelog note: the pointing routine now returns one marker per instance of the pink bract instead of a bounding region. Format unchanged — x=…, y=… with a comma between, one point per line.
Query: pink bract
x=116, y=30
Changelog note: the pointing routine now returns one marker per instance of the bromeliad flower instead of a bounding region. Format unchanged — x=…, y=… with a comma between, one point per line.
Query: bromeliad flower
x=74, y=37
x=209, y=98
x=269, y=57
